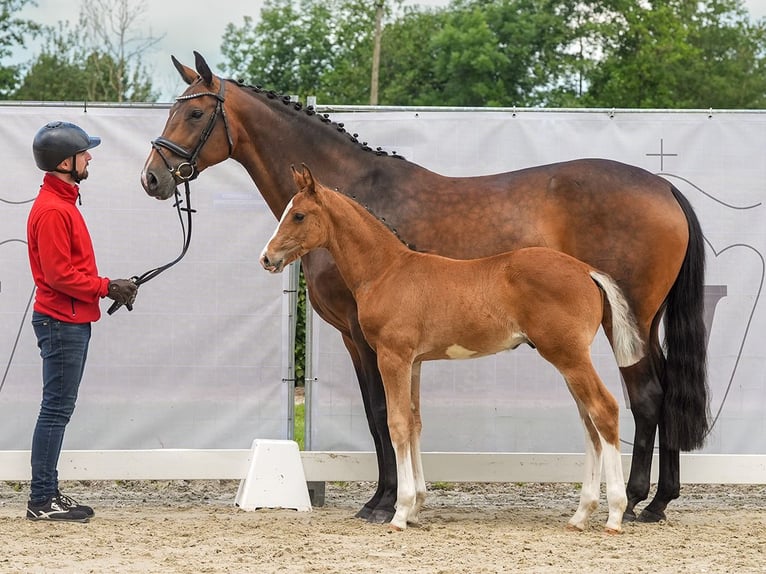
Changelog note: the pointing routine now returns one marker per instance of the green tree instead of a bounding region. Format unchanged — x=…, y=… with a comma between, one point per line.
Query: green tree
x=97, y=60
x=14, y=32
x=678, y=54
x=307, y=47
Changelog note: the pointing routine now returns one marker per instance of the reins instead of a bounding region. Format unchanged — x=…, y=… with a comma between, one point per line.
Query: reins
x=185, y=171
x=187, y=233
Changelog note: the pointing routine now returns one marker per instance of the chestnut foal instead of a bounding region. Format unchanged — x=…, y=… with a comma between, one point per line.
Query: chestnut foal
x=416, y=307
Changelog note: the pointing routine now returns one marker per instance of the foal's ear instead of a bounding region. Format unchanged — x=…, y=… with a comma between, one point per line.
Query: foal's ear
x=308, y=179
x=187, y=74
x=303, y=179
x=203, y=69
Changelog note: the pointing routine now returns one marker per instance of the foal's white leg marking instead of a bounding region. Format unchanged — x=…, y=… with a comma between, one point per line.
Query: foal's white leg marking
x=419, y=478
x=405, y=490
x=591, y=484
x=615, y=487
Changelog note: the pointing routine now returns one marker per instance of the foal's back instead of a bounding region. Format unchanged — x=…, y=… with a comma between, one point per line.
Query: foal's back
x=454, y=309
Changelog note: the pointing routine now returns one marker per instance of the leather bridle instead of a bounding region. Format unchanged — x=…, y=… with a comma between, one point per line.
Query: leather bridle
x=187, y=170
x=183, y=172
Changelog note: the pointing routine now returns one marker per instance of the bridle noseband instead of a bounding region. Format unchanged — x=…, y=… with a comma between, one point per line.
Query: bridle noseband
x=187, y=170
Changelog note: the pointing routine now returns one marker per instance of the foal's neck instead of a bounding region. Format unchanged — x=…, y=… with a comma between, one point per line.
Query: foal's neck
x=361, y=245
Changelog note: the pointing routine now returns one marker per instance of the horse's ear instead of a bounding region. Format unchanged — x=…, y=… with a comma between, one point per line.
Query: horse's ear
x=203, y=69
x=187, y=74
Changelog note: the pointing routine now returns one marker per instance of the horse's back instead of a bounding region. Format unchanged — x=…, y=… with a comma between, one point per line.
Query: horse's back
x=618, y=218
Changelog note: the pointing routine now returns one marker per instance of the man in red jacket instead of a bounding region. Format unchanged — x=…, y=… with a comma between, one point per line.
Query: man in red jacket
x=67, y=298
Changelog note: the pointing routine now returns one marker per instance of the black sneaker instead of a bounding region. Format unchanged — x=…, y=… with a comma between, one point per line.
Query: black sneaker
x=59, y=508
x=74, y=505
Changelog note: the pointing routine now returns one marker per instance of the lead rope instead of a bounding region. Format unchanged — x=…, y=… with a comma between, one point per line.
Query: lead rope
x=186, y=230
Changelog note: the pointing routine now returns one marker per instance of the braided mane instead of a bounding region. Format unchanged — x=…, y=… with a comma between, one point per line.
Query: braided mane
x=311, y=112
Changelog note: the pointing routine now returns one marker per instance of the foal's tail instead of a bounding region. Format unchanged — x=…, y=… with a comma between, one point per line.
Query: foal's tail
x=628, y=347
x=686, y=414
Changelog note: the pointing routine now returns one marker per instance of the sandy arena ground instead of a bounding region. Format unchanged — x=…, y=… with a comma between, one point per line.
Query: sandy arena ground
x=194, y=527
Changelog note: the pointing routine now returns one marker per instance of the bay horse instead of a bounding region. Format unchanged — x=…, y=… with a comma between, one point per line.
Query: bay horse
x=633, y=225
x=416, y=307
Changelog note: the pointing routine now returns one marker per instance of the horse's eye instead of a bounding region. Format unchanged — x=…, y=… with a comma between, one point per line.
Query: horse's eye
x=298, y=217
x=197, y=114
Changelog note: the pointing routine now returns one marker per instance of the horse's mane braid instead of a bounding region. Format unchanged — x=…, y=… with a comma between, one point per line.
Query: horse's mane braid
x=310, y=111
x=393, y=230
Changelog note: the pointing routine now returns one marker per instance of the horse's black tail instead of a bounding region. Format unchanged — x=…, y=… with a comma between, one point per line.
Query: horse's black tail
x=686, y=412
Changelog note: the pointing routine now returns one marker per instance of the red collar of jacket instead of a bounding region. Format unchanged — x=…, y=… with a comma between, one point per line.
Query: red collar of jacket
x=63, y=189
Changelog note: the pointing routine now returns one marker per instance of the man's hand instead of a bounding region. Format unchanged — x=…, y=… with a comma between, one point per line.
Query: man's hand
x=123, y=291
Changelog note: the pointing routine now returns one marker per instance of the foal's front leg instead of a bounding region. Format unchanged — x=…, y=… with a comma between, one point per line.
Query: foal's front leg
x=396, y=372
x=417, y=459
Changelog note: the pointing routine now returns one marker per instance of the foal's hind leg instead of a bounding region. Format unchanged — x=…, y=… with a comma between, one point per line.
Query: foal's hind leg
x=602, y=414
x=591, y=484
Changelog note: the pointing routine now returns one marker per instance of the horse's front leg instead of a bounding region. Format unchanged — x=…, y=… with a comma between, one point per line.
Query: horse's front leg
x=380, y=508
x=396, y=371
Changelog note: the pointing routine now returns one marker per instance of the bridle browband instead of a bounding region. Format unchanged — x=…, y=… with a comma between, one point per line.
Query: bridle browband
x=185, y=172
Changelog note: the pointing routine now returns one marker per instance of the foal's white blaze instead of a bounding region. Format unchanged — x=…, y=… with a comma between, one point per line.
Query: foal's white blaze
x=276, y=230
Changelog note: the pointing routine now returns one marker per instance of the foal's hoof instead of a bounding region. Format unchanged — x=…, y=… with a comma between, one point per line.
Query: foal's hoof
x=612, y=531
x=650, y=517
x=573, y=528
x=394, y=528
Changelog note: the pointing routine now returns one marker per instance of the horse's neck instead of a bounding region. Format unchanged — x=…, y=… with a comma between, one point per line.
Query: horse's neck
x=272, y=136
x=362, y=246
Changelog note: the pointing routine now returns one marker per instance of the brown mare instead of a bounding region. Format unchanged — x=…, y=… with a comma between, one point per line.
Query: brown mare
x=416, y=307
x=631, y=224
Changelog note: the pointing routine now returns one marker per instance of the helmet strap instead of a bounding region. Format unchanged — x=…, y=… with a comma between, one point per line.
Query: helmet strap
x=73, y=172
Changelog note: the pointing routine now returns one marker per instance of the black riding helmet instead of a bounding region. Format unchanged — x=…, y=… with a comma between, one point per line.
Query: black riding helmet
x=56, y=141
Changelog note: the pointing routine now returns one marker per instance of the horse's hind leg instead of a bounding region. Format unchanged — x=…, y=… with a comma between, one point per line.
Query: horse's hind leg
x=645, y=394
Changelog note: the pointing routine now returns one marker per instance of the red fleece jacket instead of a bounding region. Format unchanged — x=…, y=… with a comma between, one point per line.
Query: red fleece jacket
x=61, y=256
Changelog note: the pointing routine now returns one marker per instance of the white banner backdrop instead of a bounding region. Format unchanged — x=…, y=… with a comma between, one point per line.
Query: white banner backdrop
x=201, y=361
x=515, y=401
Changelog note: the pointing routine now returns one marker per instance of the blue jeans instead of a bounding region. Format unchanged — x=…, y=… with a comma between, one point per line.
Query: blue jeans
x=63, y=348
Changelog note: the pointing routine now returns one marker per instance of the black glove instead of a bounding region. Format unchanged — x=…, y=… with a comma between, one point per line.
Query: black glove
x=123, y=291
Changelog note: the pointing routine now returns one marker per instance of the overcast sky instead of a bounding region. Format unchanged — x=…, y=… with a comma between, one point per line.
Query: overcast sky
x=185, y=28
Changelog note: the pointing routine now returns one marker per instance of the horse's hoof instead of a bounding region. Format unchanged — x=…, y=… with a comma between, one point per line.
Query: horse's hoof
x=364, y=513
x=394, y=528
x=629, y=516
x=651, y=517
x=573, y=528
x=612, y=531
